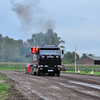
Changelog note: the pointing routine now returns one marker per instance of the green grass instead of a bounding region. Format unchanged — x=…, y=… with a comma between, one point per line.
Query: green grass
x=12, y=69
x=13, y=66
x=8, y=66
x=82, y=66
x=3, y=89
x=71, y=67
x=82, y=72
x=2, y=78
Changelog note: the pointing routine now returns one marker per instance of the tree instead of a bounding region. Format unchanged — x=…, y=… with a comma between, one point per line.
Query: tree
x=39, y=39
x=12, y=50
x=69, y=57
x=90, y=55
x=83, y=55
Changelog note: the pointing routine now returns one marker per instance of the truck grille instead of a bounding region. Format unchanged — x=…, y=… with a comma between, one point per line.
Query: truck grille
x=50, y=62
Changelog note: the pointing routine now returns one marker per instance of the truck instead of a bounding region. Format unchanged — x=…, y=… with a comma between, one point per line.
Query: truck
x=45, y=60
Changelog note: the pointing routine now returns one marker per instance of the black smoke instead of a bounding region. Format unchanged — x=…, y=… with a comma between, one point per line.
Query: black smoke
x=31, y=16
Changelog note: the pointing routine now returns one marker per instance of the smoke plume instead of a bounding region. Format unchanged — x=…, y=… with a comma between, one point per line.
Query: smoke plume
x=31, y=15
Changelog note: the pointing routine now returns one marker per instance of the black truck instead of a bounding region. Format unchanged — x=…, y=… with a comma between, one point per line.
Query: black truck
x=45, y=59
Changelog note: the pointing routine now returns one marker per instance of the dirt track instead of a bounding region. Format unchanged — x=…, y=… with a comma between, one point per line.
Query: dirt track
x=65, y=87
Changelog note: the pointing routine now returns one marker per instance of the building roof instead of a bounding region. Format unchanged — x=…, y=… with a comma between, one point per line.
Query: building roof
x=94, y=58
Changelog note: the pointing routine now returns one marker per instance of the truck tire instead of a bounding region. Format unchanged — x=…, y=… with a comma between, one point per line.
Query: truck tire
x=33, y=73
x=26, y=70
x=53, y=74
x=58, y=73
x=38, y=73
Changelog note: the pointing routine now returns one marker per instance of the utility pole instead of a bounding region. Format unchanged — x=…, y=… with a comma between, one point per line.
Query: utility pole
x=75, y=57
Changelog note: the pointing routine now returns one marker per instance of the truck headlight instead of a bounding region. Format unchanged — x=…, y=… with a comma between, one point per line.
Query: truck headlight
x=43, y=56
x=57, y=56
x=45, y=65
x=41, y=65
x=58, y=65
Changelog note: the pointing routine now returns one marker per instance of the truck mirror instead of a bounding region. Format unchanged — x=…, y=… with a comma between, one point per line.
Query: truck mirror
x=62, y=51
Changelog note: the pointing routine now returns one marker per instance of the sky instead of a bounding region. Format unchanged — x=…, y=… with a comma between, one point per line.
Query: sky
x=77, y=22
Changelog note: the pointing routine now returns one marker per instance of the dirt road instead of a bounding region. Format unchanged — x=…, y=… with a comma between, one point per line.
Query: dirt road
x=65, y=87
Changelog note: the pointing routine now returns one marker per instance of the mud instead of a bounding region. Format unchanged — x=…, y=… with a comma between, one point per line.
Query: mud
x=2, y=81
x=65, y=87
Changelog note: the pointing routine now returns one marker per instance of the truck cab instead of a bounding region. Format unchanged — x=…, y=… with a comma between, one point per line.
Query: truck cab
x=46, y=59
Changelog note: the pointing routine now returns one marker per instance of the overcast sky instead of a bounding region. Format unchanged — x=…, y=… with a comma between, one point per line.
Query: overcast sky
x=77, y=22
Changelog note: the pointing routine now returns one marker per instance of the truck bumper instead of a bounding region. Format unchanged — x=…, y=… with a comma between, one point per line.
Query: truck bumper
x=49, y=69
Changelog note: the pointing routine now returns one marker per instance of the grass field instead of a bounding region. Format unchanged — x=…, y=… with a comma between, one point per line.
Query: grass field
x=12, y=66
x=69, y=67
x=82, y=72
x=82, y=66
x=84, y=69
x=8, y=66
x=3, y=88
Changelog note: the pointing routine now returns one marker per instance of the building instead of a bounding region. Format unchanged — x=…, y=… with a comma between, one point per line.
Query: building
x=88, y=60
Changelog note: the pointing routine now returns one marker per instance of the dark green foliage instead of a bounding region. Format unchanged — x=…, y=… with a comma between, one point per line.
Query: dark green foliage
x=12, y=50
x=85, y=54
x=69, y=57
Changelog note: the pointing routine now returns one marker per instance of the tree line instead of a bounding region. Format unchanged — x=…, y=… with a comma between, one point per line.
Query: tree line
x=15, y=50
x=12, y=50
x=69, y=57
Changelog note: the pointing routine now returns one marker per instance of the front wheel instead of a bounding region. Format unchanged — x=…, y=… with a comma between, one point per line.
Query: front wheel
x=38, y=73
x=58, y=73
x=53, y=74
x=33, y=73
x=26, y=70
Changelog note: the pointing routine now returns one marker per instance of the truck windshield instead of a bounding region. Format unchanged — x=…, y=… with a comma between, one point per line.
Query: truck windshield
x=49, y=52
